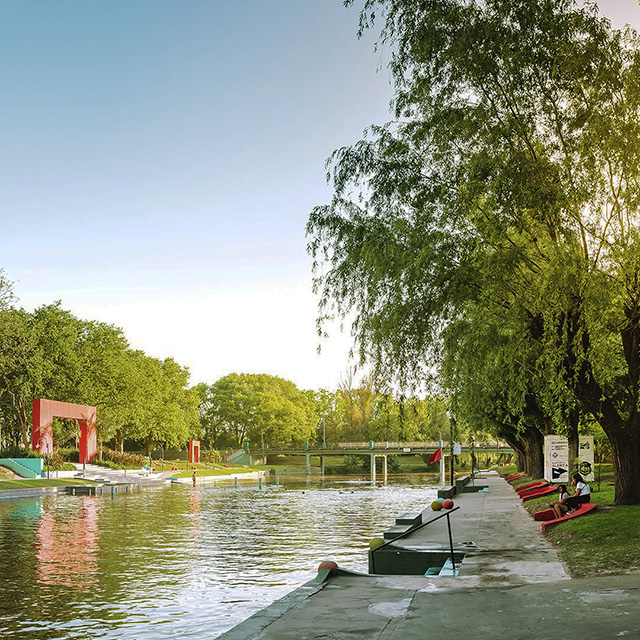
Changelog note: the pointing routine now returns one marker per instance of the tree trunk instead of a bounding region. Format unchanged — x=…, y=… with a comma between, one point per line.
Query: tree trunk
x=520, y=461
x=21, y=415
x=518, y=447
x=625, y=447
x=533, y=441
x=573, y=438
x=120, y=441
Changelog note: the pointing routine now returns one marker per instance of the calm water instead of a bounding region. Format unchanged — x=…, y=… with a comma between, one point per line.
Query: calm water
x=180, y=562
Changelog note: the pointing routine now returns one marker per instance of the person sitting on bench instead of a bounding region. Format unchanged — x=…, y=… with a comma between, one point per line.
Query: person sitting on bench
x=560, y=508
x=581, y=493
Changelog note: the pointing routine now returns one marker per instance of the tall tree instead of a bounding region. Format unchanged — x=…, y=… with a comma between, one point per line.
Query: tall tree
x=509, y=179
x=261, y=409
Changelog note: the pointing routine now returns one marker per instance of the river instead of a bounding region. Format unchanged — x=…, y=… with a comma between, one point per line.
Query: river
x=178, y=561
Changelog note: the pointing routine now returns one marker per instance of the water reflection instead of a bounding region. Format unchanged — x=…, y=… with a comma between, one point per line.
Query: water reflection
x=180, y=561
x=67, y=544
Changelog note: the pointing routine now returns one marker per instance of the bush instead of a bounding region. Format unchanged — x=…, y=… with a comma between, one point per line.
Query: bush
x=18, y=452
x=356, y=464
x=211, y=456
x=70, y=455
x=122, y=460
x=107, y=463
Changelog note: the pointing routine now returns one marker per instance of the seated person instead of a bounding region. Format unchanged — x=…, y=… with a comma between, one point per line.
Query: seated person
x=560, y=508
x=581, y=493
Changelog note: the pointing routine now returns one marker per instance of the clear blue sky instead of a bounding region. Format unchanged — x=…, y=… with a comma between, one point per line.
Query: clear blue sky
x=160, y=159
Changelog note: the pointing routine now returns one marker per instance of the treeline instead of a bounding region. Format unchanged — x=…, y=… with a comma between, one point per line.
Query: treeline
x=262, y=409
x=144, y=403
x=49, y=353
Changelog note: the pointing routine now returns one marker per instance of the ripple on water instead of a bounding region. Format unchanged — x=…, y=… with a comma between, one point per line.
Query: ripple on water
x=180, y=562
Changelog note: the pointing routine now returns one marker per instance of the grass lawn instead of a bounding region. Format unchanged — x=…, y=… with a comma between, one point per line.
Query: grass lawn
x=603, y=543
x=30, y=483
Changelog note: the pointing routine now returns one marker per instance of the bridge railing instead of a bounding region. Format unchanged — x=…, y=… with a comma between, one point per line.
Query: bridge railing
x=387, y=444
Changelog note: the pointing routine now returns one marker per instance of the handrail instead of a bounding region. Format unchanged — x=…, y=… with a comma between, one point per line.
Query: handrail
x=412, y=530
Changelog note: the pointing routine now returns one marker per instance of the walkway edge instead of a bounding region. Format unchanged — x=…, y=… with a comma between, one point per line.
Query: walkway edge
x=250, y=628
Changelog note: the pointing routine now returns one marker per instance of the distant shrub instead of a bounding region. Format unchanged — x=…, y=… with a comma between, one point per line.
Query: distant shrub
x=18, y=452
x=211, y=456
x=70, y=455
x=107, y=463
x=122, y=460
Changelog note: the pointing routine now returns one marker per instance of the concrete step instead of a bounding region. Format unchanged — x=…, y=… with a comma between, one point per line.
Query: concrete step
x=411, y=518
x=396, y=531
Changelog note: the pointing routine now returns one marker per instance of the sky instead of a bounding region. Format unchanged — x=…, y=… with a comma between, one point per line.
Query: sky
x=159, y=160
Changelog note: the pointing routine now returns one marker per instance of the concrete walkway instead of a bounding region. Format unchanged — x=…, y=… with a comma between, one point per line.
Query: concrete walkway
x=96, y=472
x=511, y=585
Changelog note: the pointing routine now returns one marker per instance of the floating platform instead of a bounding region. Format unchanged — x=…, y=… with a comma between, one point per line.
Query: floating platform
x=102, y=489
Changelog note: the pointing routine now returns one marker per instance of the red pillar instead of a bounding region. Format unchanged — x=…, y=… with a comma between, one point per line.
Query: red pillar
x=194, y=450
x=41, y=430
x=88, y=440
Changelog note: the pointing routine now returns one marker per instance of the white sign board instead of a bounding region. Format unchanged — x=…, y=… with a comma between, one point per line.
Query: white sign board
x=457, y=449
x=585, y=454
x=556, y=459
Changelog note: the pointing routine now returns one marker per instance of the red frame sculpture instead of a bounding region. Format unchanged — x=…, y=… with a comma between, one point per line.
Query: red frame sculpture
x=194, y=450
x=44, y=411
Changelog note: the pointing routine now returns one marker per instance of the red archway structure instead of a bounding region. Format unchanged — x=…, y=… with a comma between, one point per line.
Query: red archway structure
x=44, y=411
x=194, y=451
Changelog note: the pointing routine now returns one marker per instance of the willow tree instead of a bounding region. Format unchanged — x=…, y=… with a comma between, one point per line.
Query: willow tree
x=508, y=178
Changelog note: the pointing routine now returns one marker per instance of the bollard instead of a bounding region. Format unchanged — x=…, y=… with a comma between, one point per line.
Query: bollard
x=73, y=491
x=260, y=482
x=277, y=480
x=235, y=481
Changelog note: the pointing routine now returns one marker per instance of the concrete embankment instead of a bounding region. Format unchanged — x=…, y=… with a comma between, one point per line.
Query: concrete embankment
x=510, y=585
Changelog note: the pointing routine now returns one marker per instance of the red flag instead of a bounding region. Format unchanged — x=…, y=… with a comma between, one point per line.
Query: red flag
x=436, y=455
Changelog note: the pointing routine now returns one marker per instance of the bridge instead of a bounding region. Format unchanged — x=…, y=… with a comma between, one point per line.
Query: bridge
x=374, y=450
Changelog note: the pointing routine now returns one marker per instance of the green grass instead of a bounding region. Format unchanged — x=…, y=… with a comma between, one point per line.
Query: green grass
x=605, y=542
x=30, y=483
x=602, y=543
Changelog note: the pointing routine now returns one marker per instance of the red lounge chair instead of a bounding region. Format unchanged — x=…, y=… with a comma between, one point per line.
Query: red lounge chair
x=537, y=493
x=548, y=517
x=514, y=476
x=533, y=485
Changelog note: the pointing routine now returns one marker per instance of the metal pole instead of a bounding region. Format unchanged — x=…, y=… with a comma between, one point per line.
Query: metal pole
x=453, y=560
x=451, y=449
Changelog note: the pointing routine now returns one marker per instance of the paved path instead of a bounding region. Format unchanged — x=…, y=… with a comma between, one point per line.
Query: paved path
x=511, y=585
x=96, y=472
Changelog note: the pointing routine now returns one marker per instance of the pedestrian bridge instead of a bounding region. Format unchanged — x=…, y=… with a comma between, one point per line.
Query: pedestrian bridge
x=374, y=450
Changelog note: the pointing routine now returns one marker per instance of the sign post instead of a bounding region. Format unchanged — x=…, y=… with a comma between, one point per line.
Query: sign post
x=585, y=457
x=556, y=459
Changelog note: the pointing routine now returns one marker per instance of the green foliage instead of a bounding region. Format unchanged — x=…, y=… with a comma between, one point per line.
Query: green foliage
x=18, y=452
x=211, y=456
x=122, y=460
x=50, y=353
x=256, y=408
x=498, y=211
